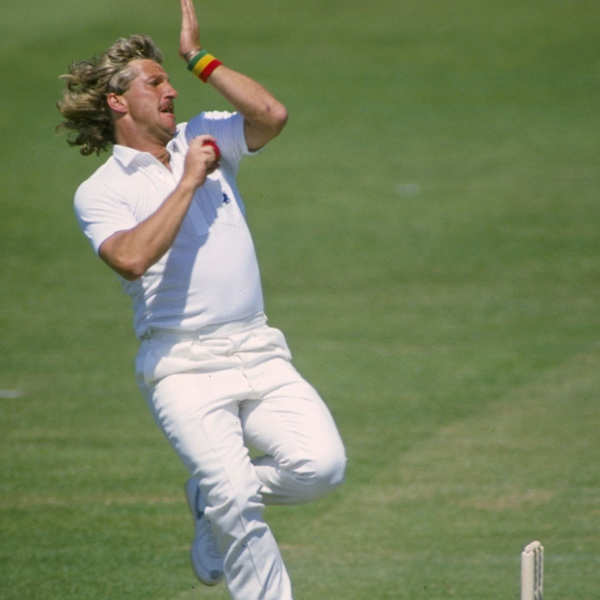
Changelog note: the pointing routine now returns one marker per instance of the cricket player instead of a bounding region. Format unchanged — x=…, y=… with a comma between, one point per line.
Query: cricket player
x=164, y=212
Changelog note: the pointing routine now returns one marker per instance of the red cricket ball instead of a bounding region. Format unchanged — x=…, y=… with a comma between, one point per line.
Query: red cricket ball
x=216, y=148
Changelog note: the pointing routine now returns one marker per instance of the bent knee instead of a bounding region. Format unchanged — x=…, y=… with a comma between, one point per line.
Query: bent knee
x=333, y=469
x=326, y=471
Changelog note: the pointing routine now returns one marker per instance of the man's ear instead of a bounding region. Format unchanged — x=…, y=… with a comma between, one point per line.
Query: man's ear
x=116, y=102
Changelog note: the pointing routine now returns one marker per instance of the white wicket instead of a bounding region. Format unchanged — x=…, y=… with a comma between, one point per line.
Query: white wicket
x=532, y=572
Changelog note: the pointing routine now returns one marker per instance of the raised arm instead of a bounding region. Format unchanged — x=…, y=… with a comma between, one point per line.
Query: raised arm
x=264, y=115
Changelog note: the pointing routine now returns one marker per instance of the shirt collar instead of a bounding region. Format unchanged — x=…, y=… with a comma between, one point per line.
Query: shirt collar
x=128, y=156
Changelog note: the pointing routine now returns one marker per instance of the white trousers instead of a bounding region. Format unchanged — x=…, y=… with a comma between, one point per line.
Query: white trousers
x=214, y=394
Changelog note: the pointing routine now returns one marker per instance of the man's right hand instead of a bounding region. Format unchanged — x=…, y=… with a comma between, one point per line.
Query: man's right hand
x=201, y=160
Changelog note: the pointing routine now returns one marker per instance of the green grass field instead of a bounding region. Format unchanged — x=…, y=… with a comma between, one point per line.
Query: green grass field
x=427, y=228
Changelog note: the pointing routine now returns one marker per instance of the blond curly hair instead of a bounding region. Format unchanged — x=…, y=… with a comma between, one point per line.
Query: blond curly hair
x=83, y=104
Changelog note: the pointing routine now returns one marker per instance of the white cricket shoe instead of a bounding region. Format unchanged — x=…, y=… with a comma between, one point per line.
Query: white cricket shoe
x=207, y=561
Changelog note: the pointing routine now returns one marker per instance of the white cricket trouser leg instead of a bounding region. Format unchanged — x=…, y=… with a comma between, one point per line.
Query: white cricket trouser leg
x=213, y=395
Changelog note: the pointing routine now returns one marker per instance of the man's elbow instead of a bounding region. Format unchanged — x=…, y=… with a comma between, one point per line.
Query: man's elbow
x=265, y=126
x=128, y=269
x=127, y=266
x=272, y=120
x=279, y=118
x=131, y=273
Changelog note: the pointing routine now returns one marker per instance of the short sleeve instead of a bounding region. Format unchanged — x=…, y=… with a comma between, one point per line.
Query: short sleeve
x=227, y=128
x=101, y=213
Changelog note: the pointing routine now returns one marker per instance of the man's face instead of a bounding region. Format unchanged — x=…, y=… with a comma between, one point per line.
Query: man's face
x=150, y=101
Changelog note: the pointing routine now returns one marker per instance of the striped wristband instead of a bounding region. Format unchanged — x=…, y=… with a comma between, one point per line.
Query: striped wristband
x=203, y=64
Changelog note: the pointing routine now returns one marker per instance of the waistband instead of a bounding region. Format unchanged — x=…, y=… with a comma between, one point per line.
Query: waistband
x=211, y=331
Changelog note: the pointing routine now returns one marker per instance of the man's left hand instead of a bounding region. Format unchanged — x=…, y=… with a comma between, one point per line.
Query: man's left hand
x=189, y=39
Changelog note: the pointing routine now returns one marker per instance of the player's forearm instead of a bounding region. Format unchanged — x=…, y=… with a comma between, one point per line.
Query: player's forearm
x=132, y=252
x=264, y=115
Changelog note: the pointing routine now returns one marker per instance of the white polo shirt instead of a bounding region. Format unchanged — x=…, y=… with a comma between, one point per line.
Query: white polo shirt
x=210, y=274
